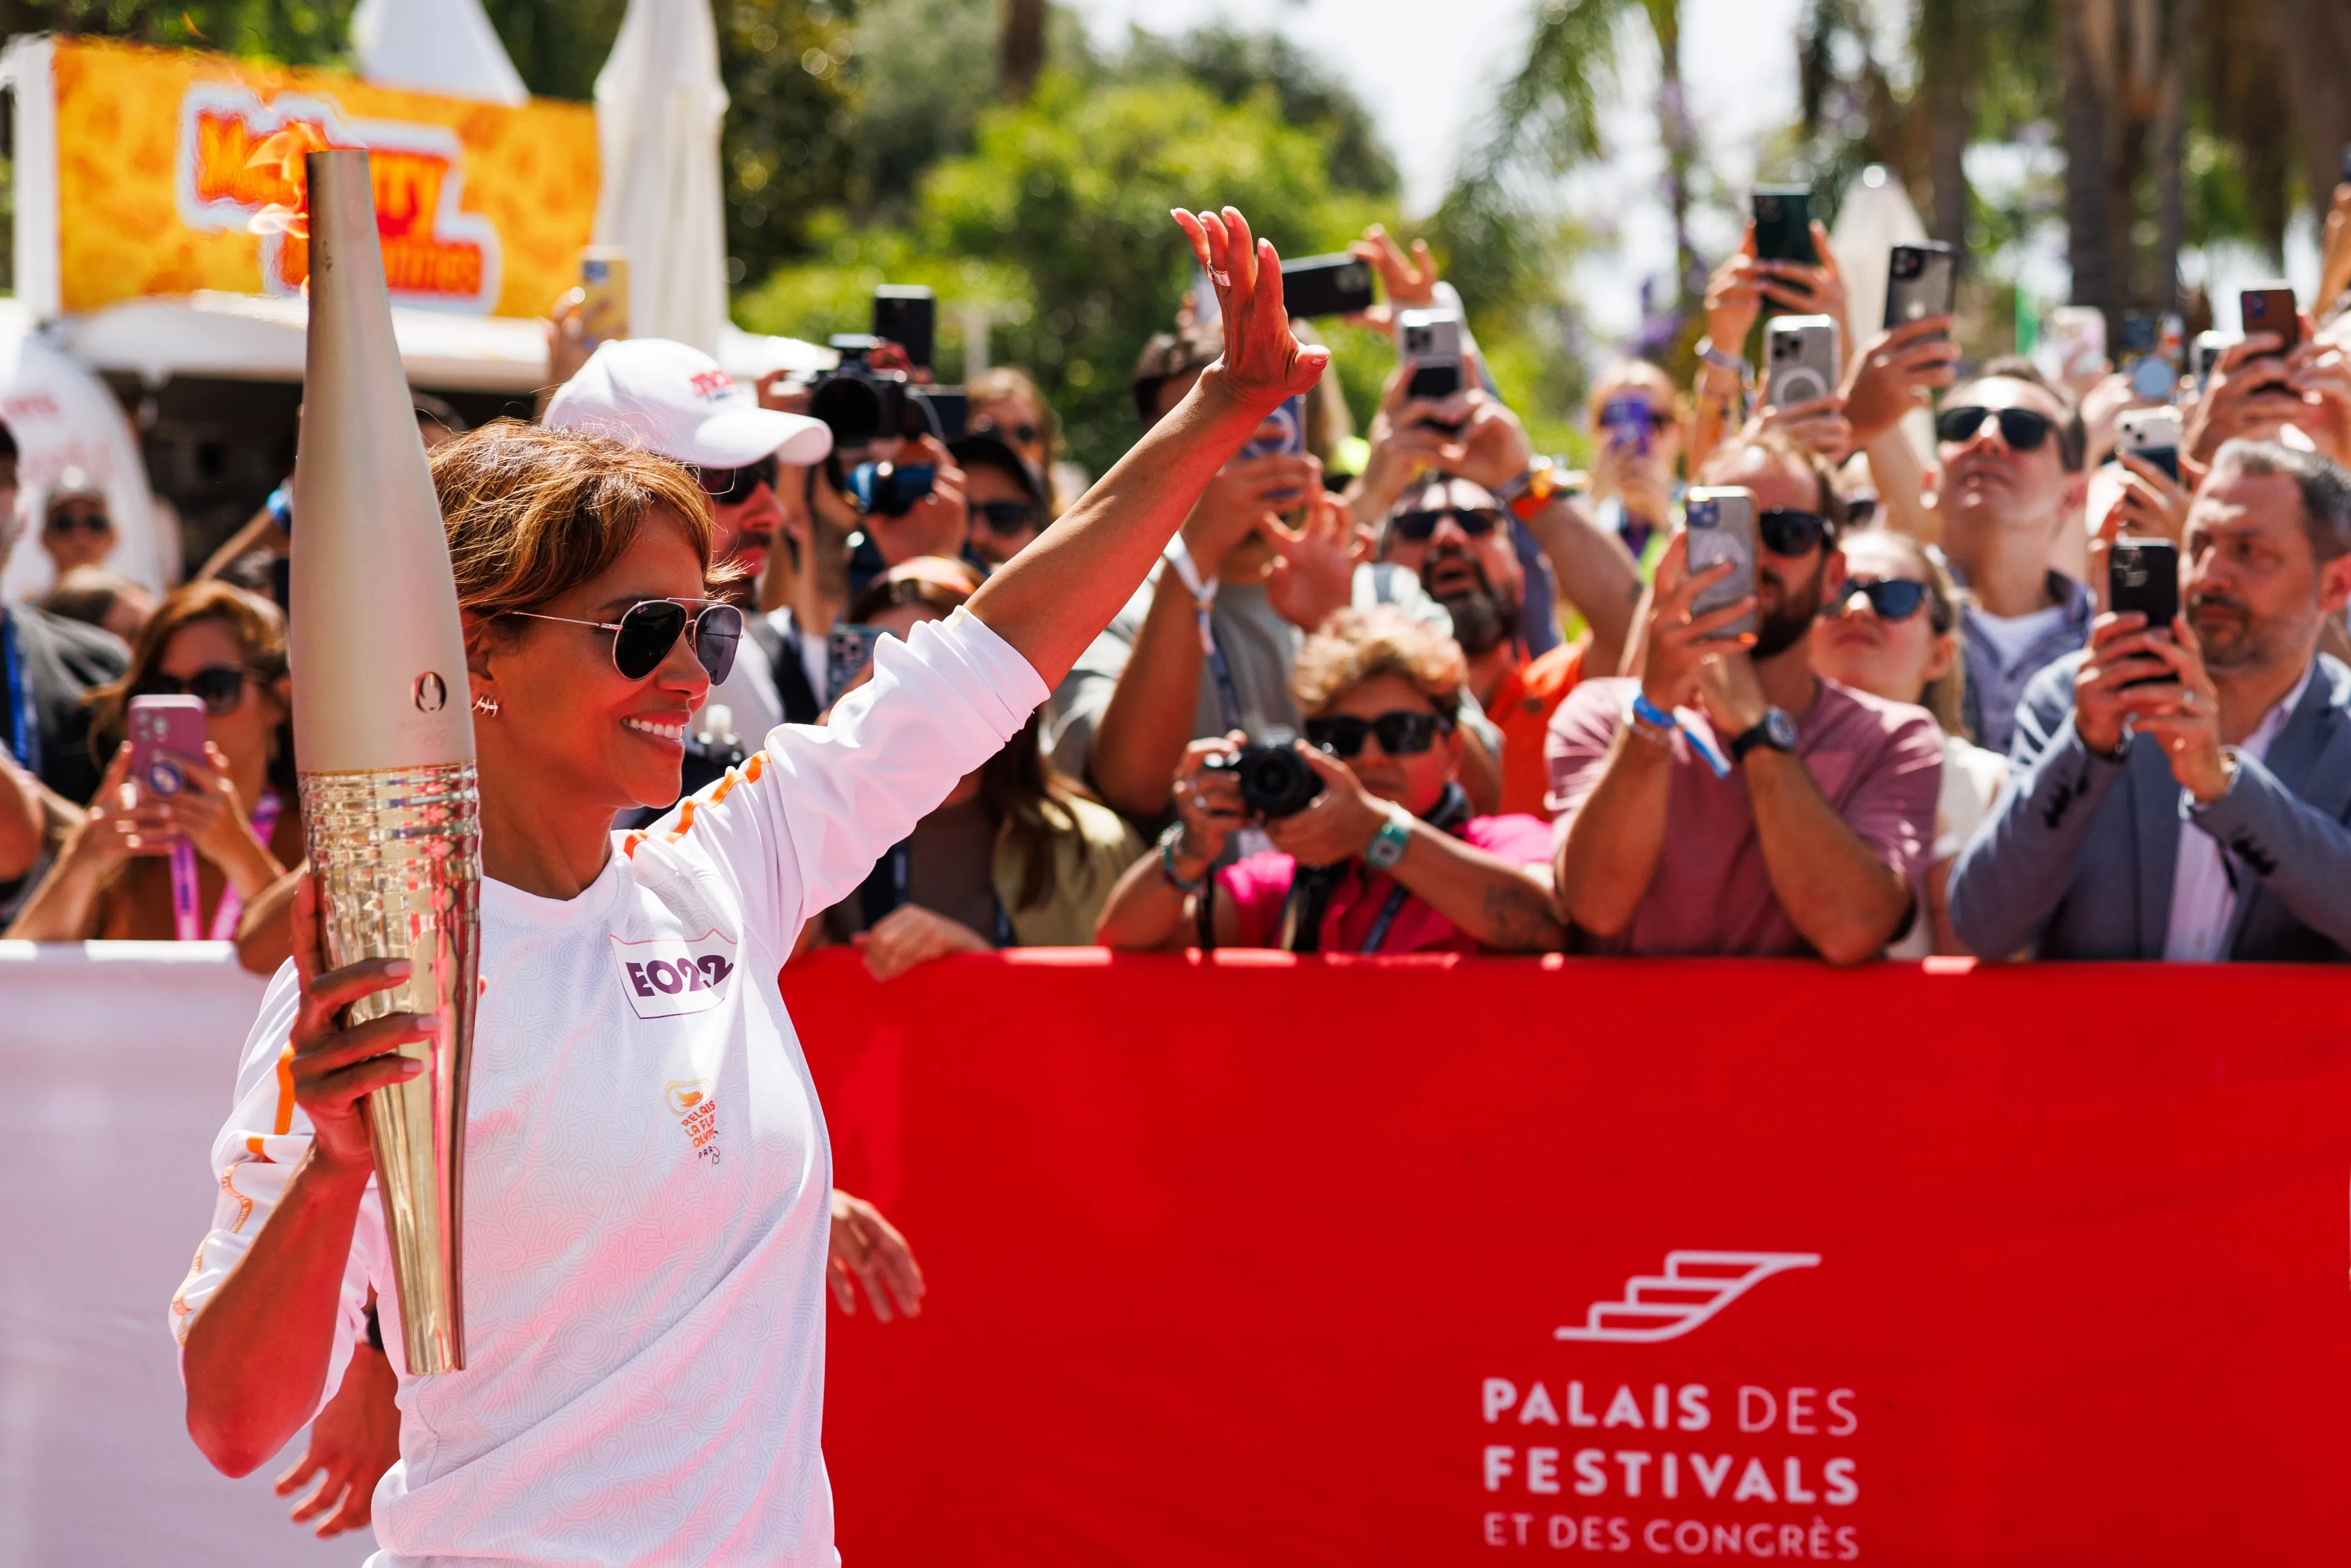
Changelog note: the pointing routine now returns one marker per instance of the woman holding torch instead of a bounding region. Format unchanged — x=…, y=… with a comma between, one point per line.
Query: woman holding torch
x=646, y=1167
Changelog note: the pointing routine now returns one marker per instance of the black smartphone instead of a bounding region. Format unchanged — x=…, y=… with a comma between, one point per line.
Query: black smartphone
x=907, y=315
x=2272, y=308
x=2144, y=575
x=1921, y=280
x=1783, y=224
x=1326, y=286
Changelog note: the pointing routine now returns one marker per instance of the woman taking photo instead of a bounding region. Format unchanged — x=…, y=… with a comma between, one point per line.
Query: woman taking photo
x=647, y=1177
x=231, y=833
x=1015, y=856
x=1388, y=857
x=1893, y=633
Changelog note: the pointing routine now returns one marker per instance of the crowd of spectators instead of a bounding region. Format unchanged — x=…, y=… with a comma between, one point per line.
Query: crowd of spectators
x=1429, y=690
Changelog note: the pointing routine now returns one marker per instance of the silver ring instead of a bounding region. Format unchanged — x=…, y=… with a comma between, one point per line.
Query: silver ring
x=1221, y=278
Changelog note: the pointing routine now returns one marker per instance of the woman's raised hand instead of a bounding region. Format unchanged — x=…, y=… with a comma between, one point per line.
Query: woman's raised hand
x=1264, y=363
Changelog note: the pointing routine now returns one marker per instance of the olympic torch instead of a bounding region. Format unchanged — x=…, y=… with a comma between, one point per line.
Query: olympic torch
x=384, y=737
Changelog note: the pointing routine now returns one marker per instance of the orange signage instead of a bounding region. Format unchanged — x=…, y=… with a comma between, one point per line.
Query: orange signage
x=161, y=189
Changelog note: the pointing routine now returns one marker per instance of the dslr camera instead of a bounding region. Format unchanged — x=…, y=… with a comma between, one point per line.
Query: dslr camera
x=862, y=404
x=1275, y=782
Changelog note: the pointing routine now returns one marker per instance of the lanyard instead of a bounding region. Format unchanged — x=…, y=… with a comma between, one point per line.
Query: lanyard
x=24, y=727
x=231, y=903
x=1204, y=595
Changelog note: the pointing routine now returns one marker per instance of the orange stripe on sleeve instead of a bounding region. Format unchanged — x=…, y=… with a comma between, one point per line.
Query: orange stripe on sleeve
x=285, y=1090
x=684, y=820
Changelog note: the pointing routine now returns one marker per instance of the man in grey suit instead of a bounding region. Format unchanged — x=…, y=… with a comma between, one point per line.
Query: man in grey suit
x=2202, y=817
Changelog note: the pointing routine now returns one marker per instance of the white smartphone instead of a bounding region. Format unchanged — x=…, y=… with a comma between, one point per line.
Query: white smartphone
x=1802, y=359
x=1720, y=520
x=2151, y=434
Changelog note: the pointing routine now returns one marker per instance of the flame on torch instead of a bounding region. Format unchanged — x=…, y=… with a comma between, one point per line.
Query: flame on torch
x=284, y=149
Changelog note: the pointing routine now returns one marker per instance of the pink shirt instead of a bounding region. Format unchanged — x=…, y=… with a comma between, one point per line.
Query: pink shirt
x=1880, y=764
x=1259, y=884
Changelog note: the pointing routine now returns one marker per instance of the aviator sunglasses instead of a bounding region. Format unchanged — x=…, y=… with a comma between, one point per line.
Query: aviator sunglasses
x=647, y=631
x=1005, y=519
x=1403, y=733
x=727, y=487
x=1415, y=527
x=2022, y=429
x=220, y=687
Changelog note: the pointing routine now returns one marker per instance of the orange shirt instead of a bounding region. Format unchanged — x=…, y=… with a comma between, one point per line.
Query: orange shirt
x=1522, y=709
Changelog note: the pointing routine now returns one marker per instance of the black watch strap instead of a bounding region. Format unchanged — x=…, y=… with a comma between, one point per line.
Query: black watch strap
x=1774, y=729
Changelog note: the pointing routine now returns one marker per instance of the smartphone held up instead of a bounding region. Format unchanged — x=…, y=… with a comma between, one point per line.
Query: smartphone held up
x=1720, y=524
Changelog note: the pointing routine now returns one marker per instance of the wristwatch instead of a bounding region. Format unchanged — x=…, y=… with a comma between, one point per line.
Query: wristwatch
x=1774, y=729
x=1387, y=845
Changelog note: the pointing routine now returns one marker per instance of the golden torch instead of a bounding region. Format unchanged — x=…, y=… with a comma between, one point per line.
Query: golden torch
x=384, y=737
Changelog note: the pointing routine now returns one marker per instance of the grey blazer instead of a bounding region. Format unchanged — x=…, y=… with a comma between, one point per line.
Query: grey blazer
x=2077, y=860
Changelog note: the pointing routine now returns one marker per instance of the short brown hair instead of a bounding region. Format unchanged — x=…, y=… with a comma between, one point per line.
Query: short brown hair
x=1167, y=356
x=1357, y=645
x=2073, y=435
x=942, y=582
x=1772, y=443
x=533, y=513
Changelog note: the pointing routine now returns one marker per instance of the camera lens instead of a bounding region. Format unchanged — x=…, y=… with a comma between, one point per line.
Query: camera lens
x=850, y=407
x=1275, y=782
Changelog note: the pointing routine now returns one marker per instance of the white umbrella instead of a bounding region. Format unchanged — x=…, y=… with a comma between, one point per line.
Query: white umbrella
x=1876, y=216
x=659, y=103
x=446, y=47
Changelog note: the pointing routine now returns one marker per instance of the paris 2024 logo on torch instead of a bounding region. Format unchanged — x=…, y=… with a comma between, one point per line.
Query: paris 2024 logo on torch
x=1605, y=1448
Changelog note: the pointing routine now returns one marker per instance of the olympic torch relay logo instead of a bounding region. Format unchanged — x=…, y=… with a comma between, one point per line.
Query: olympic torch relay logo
x=1693, y=1290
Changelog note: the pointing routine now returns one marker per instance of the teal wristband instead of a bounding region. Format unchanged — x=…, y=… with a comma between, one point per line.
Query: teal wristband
x=1175, y=879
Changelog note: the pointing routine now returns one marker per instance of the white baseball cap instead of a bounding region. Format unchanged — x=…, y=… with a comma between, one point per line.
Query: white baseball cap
x=676, y=401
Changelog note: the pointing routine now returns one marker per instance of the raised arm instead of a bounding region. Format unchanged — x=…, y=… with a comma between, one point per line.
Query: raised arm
x=1052, y=599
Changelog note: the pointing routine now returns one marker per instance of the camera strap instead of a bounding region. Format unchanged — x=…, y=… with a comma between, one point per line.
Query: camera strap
x=1309, y=898
x=231, y=907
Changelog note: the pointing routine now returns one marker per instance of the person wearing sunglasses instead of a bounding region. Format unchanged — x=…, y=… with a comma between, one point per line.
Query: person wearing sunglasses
x=1004, y=399
x=669, y=399
x=1388, y=857
x=2006, y=486
x=645, y=1189
x=1729, y=802
x=114, y=880
x=1007, y=497
x=2179, y=792
x=76, y=528
x=1892, y=631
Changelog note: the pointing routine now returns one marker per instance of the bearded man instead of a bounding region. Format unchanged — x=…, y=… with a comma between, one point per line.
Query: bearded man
x=1730, y=801
x=2183, y=791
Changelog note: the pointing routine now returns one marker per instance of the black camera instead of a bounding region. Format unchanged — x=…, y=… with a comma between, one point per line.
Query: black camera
x=862, y=405
x=1275, y=782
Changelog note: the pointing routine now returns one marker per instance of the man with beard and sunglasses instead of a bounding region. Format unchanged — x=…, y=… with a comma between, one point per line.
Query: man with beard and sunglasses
x=2184, y=792
x=2008, y=481
x=679, y=404
x=1730, y=801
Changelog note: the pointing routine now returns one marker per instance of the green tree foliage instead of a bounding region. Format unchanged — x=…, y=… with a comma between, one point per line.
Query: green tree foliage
x=1059, y=219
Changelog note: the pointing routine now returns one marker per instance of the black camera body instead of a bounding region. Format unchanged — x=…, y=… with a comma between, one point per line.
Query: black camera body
x=862, y=405
x=1275, y=782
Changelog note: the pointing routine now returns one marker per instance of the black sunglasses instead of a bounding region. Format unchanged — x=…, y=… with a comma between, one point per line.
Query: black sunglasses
x=727, y=487
x=1022, y=435
x=1005, y=517
x=220, y=687
x=2022, y=429
x=1890, y=599
x=646, y=632
x=1403, y=733
x=1785, y=530
x=67, y=523
x=1414, y=527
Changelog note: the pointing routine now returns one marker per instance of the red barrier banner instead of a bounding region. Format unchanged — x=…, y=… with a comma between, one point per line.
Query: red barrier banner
x=1407, y=1262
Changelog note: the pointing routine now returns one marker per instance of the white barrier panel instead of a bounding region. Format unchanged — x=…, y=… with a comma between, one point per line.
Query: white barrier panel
x=117, y=1064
